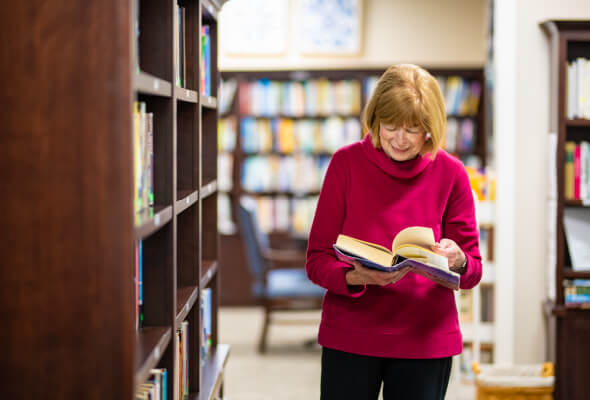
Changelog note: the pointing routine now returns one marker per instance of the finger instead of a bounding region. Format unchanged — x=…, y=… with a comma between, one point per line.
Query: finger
x=446, y=243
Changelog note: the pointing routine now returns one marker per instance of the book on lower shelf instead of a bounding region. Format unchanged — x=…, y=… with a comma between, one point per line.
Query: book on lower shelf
x=181, y=361
x=143, y=158
x=156, y=386
x=410, y=249
x=206, y=323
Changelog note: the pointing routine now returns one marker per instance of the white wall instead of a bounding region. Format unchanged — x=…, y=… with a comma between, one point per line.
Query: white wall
x=521, y=130
x=433, y=33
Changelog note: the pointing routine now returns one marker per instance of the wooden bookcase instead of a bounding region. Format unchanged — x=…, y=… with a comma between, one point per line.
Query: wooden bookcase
x=236, y=290
x=568, y=40
x=66, y=157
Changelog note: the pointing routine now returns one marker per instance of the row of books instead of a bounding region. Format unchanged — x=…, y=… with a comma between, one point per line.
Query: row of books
x=461, y=96
x=206, y=323
x=138, y=281
x=578, y=88
x=297, y=173
x=225, y=167
x=286, y=135
x=205, y=61
x=225, y=217
x=461, y=135
x=466, y=312
x=280, y=213
x=143, y=157
x=314, y=97
x=156, y=386
x=577, y=291
x=227, y=133
x=181, y=361
x=577, y=171
x=483, y=183
x=227, y=93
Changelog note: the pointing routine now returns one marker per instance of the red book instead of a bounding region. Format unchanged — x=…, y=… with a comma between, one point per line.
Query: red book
x=577, y=172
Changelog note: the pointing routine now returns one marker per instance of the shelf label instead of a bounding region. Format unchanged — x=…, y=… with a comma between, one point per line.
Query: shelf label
x=188, y=94
x=187, y=199
x=157, y=220
x=156, y=84
x=157, y=352
x=186, y=307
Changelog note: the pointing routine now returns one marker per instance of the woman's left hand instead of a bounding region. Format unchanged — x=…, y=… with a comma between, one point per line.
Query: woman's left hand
x=449, y=249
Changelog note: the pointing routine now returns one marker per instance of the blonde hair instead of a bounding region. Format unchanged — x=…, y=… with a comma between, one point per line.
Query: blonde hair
x=407, y=96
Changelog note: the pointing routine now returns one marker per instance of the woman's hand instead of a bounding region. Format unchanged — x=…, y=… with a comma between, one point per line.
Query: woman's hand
x=362, y=275
x=449, y=249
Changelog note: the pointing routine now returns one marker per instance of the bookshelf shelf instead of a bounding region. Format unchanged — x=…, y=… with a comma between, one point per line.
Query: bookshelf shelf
x=208, y=102
x=578, y=122
x=186, y=299
x=150, y=85
x=214, y=367
x=569, y=273
x=151, y=343
x=211, y=6
x=210, y=270
x=149, y=223
x=186, y=95
x=575, y=203
x=185, y=200
x=209, y=189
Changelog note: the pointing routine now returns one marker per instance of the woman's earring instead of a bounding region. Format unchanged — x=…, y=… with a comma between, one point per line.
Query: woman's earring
x=427, y=135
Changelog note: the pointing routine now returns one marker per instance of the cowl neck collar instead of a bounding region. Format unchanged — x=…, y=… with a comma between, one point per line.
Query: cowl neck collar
x=397, y=169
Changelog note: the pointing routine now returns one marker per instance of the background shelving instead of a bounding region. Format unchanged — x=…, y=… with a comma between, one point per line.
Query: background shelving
x=277, y=132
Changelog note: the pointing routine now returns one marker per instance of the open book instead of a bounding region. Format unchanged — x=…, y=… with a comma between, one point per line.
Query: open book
x=410, y=248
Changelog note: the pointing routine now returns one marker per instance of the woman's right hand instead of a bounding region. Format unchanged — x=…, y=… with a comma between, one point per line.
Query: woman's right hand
x=362, y=275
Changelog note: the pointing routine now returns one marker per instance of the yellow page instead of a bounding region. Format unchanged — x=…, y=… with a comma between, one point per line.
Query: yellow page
x=370, y=251
x=423, y=255
x=417, y=235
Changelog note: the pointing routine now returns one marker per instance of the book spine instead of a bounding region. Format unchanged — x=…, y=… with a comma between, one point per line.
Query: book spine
x=570, y=148
x=150, y=150
x=140, y=282
x=577, y=172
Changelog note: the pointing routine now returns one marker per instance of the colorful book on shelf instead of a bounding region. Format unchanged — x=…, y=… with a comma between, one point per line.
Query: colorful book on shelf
x=410, y=248
x=570, y=148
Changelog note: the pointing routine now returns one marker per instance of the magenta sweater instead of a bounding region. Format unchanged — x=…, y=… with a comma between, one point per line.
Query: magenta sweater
x=371, y=197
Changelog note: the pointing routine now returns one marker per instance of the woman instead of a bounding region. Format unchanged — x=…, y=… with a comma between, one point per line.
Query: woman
x=398, y=328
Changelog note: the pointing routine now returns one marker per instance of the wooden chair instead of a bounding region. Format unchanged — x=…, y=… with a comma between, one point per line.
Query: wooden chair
x=277, y=289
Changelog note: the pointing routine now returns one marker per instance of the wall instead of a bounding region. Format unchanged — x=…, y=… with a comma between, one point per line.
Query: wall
x=521, y=130
x=432, y=33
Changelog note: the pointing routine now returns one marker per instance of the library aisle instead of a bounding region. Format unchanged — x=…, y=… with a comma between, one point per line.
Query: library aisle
x=289, y=370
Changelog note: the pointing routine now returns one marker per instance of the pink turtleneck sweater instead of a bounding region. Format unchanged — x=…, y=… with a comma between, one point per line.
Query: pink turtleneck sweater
x=371, y=197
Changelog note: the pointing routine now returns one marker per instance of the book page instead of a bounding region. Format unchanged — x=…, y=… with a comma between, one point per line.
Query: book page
x=425, y=256
x=417, y=235
x=370, y=251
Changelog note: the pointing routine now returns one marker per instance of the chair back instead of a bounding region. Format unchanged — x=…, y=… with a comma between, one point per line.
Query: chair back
x=254, y=240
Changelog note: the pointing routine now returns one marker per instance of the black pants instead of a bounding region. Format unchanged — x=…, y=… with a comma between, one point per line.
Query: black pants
x=355, y=377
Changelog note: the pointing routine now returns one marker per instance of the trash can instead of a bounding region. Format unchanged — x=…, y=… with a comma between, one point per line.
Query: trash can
x=522, y=382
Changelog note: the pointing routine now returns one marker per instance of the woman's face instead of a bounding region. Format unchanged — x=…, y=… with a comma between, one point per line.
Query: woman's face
x=401, y=143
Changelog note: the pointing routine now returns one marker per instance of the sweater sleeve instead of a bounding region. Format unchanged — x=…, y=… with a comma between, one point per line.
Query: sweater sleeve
x=459, y=224
x=322, y=266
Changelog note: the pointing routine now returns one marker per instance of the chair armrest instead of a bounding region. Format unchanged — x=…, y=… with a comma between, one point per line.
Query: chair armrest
x=284, y=256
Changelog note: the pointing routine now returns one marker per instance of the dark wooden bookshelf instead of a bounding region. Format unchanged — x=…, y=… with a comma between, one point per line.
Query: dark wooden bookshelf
x=187, y=95
x=185, y=200
x=67, y=167
x=214, y=366
x=210, y=268
x=208, y=101
x=568, y=40
x=186, y=298
x=578, y=122
x=148, y=84
x=150, y=221
x=151, y=343
x=240, y=294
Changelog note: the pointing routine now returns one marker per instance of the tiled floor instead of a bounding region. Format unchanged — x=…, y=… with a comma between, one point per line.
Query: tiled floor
x=289, y=370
